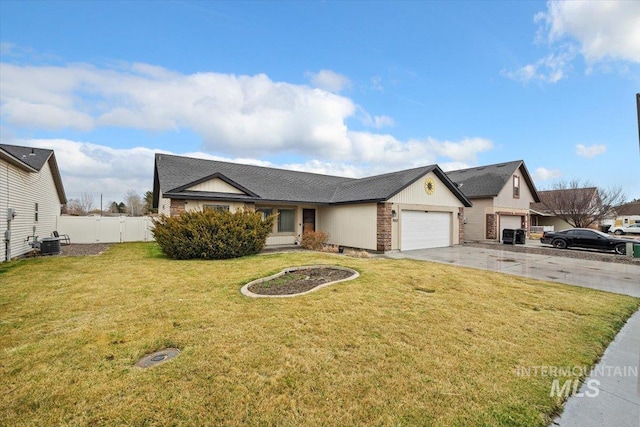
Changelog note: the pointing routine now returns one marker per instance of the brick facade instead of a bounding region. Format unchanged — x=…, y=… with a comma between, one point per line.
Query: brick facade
x=177, y=207
x=383, y=232
x=492, y=224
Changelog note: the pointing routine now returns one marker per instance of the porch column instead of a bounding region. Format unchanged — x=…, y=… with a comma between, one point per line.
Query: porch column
x=383, y=232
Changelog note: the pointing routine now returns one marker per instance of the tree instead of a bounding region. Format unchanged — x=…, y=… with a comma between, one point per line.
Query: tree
x=122, y=208
x=87, y=202
x=80, y=206
x=113, y=207
x=581, y=204
x=134, y=203
x=148, y=202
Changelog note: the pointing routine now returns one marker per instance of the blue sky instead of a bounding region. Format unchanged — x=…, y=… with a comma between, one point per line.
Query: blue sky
x=346, y=88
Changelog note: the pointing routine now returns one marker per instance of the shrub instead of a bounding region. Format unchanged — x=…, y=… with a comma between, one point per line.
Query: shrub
x=212, y=234
x=314, y=240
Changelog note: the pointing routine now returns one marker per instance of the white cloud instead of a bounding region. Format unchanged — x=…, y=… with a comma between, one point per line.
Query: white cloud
x=98, y=169
x=232, y=114
x=603, y=29
x=600, y=31
x=590, y=151
x=544, y=174
x=550, y=69
x=236, y=116
x=329, y=80
x=376, y=82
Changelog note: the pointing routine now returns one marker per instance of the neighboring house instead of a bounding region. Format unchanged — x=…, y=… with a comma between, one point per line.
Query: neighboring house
x=501, y=195
x=409, y=209
x=542, y=216
x=627, y=214
x=31, y=195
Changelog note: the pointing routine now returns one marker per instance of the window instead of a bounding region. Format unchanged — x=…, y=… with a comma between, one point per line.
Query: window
x=217, y=207
x=516, y=187
x=286, y=219
x=265, y=212
x=36, y=213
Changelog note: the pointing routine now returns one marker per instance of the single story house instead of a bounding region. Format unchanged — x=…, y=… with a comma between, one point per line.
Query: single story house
x=409, y=209
x=501, y=195
x=627, y=214
x=31, y=196
x=542, y=215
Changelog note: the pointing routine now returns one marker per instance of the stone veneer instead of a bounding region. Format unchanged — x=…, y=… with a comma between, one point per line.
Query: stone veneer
x=460, y=226
x=176, y=207
x=383, y=231
x=492, y=232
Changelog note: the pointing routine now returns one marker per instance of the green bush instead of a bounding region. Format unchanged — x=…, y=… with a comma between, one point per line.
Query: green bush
x=212, y=234
x=314, y=240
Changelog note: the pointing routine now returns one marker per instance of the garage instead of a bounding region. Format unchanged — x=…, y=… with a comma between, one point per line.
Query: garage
x=421, y=230
x=509, y=221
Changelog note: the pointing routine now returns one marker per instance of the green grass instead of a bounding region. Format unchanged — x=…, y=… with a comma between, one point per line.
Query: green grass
x=379, y=350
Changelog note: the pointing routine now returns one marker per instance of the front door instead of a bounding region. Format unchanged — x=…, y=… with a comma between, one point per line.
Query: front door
x=308, y=220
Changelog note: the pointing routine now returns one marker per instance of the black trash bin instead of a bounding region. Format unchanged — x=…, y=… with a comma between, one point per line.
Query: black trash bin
x=50, y=246
x=520, y=236
x=509, y=236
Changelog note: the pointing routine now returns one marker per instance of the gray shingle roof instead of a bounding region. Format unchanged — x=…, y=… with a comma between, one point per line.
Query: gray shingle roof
x=173, y=174
x=33, y=159
x=489, y=180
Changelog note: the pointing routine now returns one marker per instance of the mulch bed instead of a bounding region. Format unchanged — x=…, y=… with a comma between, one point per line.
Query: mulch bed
x=84, y=249
x=296, y=282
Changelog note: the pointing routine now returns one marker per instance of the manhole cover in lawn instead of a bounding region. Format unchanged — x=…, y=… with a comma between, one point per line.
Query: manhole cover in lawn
x=158, y=357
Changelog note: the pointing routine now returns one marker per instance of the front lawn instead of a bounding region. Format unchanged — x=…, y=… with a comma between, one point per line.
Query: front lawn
x=407, y=343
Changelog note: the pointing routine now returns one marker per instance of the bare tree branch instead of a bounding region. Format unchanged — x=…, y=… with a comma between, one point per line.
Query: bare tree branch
x=580, y=203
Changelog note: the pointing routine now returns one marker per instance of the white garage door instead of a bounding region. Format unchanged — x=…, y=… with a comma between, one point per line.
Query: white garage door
x=421, y=230
x=509, y=221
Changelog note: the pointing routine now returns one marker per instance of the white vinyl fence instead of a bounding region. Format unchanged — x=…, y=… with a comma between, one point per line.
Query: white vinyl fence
x=100, y=229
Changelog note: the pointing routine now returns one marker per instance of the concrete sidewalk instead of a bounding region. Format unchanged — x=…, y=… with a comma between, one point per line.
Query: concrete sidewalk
x=617, y=403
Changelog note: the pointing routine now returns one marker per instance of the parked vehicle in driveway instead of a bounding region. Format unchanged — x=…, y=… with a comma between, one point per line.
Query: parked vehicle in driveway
x=632, y=229
x=584, y=238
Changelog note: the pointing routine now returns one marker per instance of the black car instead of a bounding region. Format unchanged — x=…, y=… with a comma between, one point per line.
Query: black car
x=584, y=238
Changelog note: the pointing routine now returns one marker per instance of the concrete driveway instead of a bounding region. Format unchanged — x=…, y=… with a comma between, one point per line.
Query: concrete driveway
x=606, y=276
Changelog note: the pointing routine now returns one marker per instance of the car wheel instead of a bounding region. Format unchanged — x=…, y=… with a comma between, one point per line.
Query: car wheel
x=618, y=232
x=559, y=244
x=621, y=249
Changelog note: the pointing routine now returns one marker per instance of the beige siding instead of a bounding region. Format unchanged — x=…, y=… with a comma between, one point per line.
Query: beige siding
x=475, y=216
x=349, y=225
x=557, y=223
x=215, y=185
x=164, y=206
x=21, y=190
x=415, y=194
x=506, y=200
